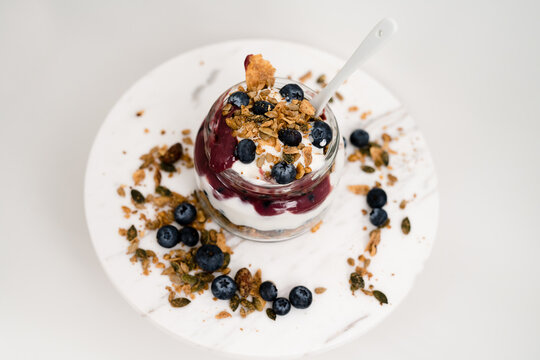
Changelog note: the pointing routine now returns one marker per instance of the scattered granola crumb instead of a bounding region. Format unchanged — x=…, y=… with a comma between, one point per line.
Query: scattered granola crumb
x=365, y=114
x=391, y=179
x=353, y=108
x=339, y=96
x=120, y=191
x=321, y=79
x=223, y=315
x=187, y=140
x=201, y=63
x=162, y=132
x=140, y=113
x=350, y=261
x=403, y=204
x=124, y=152
x=305, y=77
x=320, y=290
x=186, y=132
x=146, y=131
x=139, y=176
x=358, y=189
x=316, y=227
x=364, y=212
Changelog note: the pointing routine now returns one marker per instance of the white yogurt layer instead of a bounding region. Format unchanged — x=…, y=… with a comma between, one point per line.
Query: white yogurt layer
x=243, y=214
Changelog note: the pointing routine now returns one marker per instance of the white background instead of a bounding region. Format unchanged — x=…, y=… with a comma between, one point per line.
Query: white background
x=468, y=71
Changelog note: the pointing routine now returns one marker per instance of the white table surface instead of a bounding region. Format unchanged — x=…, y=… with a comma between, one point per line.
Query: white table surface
x=468, y=71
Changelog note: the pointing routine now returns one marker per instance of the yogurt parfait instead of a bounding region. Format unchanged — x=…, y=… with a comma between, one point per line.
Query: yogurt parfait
x=266, y=165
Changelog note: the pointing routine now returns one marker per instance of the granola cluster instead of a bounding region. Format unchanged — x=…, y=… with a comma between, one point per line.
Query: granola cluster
x=264, y=128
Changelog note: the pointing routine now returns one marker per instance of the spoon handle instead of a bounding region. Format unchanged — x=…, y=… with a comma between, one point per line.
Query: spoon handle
x=373, y=41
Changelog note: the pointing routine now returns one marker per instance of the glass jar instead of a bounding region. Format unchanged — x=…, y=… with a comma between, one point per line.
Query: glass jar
x=256, y=210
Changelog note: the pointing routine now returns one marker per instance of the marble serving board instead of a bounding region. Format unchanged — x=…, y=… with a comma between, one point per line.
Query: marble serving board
x=177, y=95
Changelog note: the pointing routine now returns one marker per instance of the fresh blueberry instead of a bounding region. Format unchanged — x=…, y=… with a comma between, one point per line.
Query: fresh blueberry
x=321, y=134
x=359, y=138
x=300, y=297
x=223, y=287
x=281, y=306
x=378, y=217
x=189, y=236
x=245, y=151
x=238, y=99
x=185, y=213
x=292, y=92
x=167, y=236
x=283, y=173
x=268, y=291
x=261, y=107
x=376, y=198
x=209, y=257
x=290, y=137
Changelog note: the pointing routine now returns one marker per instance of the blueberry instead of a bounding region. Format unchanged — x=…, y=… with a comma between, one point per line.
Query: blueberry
x=245, y=151
x=223, y=287
x=290, y=137
x=167, y=236
x=185, y=213
x=209, y=258
x=281, y=306
x=238, y=99
x=378, y=217
x=261, y=107
x=300, y=297
x=283, y=173
x=291, y=92
x=321, y=134
x=376, y=198
x=268, y=291
x=189, y=236
x=359, y=138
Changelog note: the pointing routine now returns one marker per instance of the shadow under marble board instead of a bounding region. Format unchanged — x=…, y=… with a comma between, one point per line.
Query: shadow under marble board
x=176, y=96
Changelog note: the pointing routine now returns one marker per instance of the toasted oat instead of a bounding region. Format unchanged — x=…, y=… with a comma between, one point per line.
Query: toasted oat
x=365, y=114
x=300, y=171
x=120, y=191
x=307, y=108
x=140, y=113
x=187, y=140
x=316, y=227
x=188, y=131
x=358, y=189
x=374, y=240
x=223, y=315
x=350, y=261
x=403, y=204
x=305, y=77
x=353, y=108
x=320, y=290
x=138, y=176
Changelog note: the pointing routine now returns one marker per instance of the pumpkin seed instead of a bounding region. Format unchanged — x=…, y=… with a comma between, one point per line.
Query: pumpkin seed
x=380, y=296
x=137, y=196
x=141, y=253
x=367, y=169
x=189, y=279
x=271, y=313
x=163, y=191
x=131, y=233
x=406, y=226
x=167, y=167
x=235, y=301
x=357, y=282
x=179, y=302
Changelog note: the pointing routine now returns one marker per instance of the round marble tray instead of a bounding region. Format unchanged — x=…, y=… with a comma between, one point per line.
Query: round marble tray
x=177, y=95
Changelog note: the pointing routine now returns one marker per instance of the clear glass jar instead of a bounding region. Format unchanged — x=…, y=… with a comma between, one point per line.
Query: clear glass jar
x=262, y=211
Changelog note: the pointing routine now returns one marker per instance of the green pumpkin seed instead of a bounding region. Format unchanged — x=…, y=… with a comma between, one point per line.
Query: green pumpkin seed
x=179, y=302
x=380, y=297
x=367, y=169
x=163, y=191
x=131, y=233
x=234, y=302
x=271, y=313
x=167, y=167
x=357, y=282
x=406, y=226
x=137, y=196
